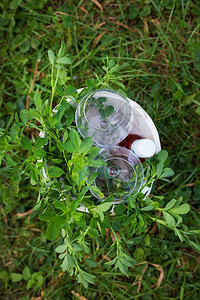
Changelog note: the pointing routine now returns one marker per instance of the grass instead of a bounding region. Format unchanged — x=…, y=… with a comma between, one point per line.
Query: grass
x=160, y=42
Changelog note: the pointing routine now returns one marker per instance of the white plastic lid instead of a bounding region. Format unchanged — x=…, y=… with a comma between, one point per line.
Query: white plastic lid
x=144, y=148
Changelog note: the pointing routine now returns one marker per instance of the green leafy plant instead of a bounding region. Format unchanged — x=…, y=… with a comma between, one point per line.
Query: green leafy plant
x=33, y=280
x=57, y=158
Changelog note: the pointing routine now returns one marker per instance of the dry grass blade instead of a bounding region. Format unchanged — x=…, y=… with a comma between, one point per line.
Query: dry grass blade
x=118, y=23
x=113, y=237
x=161, y=277
x=139, y=281
x=84, y=10
x=78, y=296
x=107, y=233
x=146, y=27
x=122, y=286
x=19, y=215
x=61, y=13
x=106, y=257
x=99, y=25
x=98, y=5
x=97, y=39
x=155, y=22
x=36, y=229
x=189, y=184
x=140, y=278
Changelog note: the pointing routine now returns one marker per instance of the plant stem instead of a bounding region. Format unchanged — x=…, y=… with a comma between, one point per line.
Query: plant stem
x=53, y=89
x=52, y=94
x=53, y=85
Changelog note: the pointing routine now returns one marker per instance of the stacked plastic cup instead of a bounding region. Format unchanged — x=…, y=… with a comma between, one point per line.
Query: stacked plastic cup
x=107, y=117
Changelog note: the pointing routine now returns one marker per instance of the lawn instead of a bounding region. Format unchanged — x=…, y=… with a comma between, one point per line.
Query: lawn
x=157, y=43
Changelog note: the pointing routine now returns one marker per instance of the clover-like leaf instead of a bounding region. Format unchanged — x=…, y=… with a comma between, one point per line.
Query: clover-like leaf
x=55, y=172
x=51, y=56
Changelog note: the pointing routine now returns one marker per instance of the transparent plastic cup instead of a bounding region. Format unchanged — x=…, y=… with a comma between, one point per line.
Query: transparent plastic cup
x=120, y=175
x=105, y=116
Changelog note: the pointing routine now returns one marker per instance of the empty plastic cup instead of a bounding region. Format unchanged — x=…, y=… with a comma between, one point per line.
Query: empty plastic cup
x=105, y=116
x=120, y=175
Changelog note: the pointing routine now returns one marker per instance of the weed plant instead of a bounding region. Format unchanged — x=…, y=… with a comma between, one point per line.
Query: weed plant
x=157, y=43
